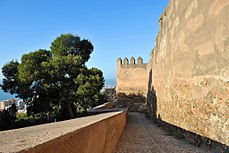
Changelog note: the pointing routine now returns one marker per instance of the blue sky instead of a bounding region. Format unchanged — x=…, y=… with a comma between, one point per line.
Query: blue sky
x=116, y=28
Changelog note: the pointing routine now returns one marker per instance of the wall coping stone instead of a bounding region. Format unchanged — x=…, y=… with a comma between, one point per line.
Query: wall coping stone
x=29, y=137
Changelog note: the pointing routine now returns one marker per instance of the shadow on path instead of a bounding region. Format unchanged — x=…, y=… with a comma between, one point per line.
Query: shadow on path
x=142, y=136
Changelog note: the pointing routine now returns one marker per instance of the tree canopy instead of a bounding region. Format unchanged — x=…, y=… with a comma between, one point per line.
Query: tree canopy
x=55, y=79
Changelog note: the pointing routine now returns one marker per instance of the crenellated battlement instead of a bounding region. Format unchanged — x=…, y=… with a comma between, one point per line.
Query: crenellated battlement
x=131, y=76
x=131, y=62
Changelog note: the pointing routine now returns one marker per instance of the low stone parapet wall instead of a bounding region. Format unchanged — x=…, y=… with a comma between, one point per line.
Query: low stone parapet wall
x=108, y=105
x=97, y=134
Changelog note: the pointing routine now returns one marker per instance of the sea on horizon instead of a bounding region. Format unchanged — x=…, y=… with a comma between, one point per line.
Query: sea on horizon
x=110, y=82
x=6, y=95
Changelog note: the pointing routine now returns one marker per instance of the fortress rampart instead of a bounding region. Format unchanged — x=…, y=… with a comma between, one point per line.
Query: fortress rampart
x=131, y=76
x=186, y=80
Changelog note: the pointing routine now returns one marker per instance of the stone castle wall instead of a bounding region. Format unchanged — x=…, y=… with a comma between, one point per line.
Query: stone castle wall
x=187, y=77
x=131, y=76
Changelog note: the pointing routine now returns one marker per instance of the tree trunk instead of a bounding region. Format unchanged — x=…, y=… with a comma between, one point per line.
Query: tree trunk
x=70, y=112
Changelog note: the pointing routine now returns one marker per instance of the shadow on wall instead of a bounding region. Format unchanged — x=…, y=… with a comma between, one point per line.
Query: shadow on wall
x=151, y=99
x=132, y=101
x=173, y=130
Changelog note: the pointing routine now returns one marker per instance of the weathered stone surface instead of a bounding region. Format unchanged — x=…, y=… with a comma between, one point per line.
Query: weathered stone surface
x=187, y=78
x=110, y=93
x=131, y=79
x=132, y=84
x=133, y=102
x=190, y=68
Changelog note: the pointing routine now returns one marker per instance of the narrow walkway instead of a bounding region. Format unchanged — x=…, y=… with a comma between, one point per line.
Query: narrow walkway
x=142, y=136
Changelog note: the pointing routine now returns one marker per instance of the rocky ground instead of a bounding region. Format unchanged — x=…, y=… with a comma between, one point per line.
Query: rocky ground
x=142, y=136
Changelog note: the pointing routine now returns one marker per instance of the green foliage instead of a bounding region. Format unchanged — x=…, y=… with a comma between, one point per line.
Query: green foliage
x=32, y=68
x=7, y=117
x=10, y=82
x=21, y=116
x=90, y=82
x=57, y=80
x=67, y=44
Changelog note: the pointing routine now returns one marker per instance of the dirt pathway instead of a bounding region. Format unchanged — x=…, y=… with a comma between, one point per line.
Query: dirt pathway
x=142, y=136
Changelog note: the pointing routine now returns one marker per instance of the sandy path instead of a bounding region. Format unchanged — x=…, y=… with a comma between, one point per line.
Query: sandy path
x=142, y=136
